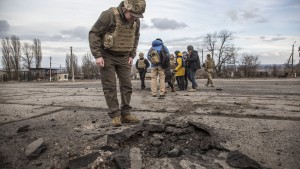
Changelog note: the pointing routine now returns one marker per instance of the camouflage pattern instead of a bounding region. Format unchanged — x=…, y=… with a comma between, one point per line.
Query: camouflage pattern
x=136, y=6
x=209, y=68
x=172, y=67
x=172, y=61
x=107, y=23
x=122, y=39
x=210, y=64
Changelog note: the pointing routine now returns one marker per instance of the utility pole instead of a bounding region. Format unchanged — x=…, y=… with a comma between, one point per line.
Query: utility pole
x=72, y=65
x=50, y=68
x=202, y=55
x=293, y=59
x=299, y=54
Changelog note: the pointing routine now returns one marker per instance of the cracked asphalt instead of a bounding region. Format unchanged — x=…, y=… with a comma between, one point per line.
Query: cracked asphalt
x=258, y=117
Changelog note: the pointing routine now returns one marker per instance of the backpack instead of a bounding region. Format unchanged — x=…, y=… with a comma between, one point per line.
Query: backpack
x=165, y=59
x=161, y=57
x=154, y=57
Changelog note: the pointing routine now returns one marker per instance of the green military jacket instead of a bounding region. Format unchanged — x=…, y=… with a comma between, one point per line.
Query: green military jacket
x=107, y=23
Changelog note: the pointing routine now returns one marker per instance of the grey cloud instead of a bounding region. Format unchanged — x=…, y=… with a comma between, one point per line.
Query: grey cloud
x=78, y=33
x=249, y=14
x=164, y=24
x=277, y=39
x=262, y=37
x=4, y=26
x=246, y=15
x=42, y=37
x=272, y=39
x=232, y=14
x=261, y=20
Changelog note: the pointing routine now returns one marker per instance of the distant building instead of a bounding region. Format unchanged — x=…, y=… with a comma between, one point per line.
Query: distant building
x=42, y=74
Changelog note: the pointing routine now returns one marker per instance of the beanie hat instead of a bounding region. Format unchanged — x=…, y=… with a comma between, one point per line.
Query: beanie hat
x=190, y=47
x=176, y=52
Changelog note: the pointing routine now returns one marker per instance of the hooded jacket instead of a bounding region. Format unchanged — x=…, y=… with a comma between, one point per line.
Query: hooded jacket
x=193, y=61
x=180, y=70
x=157, y=45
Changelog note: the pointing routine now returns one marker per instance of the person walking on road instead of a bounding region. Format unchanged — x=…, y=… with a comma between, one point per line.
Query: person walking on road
x=142, y=65
x=157, y=70
x=209, y=68
x=193, y=63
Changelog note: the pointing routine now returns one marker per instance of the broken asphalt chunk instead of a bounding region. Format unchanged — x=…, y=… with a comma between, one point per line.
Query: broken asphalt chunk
x=240, y=160
x=35, y=148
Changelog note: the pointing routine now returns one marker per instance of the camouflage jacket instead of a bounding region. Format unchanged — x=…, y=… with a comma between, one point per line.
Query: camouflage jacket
x=107, y=22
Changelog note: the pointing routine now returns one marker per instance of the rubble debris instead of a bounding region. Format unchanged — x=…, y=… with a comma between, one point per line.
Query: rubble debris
x=83, y=161
x=239, y=160
x=168, y=139
x=23, y=129
x=35, y=148
x=122, y=159
x=136, y=158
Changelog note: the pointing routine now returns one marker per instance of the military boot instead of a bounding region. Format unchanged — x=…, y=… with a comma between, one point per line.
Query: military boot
x=129, y=119
x=116, y=121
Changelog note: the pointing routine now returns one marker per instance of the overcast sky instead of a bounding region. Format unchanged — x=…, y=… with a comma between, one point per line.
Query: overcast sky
x=266, y=28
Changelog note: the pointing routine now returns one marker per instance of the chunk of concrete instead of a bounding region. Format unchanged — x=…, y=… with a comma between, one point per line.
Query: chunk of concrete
x=135, y=158
x=240, y=160
x=83, y=161
x=35, y=148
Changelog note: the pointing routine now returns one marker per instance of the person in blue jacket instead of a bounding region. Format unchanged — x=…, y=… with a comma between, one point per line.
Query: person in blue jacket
x=157, y=70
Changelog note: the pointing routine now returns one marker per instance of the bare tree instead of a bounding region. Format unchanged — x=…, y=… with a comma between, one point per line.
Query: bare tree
x=89, y=67
x=210, y=41
x=27, y=59
x=7, y=57
x=16, y=55
x=249, y=65
x=37, y=50
x=221, y=45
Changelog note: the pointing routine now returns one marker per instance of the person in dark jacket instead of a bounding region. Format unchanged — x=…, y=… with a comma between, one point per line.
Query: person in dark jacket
x=193, y=63
x=113, y=42
x=186, y=82
x=142, y=65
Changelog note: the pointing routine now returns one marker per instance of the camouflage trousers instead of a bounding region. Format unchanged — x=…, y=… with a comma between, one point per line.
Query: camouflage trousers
x=173, y=78
x=116, y=66
x=209, y=76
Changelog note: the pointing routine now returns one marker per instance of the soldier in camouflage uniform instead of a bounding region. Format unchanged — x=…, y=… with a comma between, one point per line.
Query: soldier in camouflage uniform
x=142, y=65
x=172, y=67
x=209, y=68
x=113, y=41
